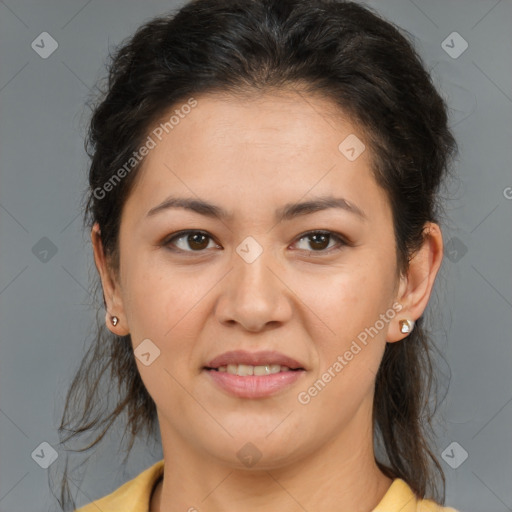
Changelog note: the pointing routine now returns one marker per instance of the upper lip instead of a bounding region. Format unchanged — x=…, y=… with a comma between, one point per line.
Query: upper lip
x=254, y=359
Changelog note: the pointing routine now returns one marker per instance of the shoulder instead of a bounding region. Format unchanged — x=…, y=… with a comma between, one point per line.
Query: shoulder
x=132, y=496
x=431, y=506
x=400, y=497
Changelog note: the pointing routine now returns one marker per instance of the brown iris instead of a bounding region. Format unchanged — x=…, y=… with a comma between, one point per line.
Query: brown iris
x=198, y=241
x=320, y=238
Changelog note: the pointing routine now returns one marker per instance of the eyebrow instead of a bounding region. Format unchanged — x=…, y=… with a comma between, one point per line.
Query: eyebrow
x=287, y=212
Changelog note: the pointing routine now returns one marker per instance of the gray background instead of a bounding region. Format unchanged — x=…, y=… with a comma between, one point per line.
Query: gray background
x=45, y=320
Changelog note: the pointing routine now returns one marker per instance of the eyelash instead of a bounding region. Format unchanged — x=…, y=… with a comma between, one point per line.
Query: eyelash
x=342, y=242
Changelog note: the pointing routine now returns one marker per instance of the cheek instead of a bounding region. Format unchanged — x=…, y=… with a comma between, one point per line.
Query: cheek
x=163, y=307
x=156, y=297
x=166, y=306
x=350, y=351
x=348, y=301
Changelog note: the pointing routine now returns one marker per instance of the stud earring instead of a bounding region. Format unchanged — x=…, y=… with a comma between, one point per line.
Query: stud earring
x=406, y=326
x=114, y=320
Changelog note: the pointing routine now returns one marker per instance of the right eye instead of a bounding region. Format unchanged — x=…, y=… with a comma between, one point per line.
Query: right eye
x=195, y=240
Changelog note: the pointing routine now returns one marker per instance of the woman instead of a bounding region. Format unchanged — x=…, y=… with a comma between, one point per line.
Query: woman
x=263, y=215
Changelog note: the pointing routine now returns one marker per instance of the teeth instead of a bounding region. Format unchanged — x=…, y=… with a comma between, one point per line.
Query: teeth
x=244, y=369
x=247, y=369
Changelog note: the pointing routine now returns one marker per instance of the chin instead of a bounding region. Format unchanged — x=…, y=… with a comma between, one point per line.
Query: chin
x=255, y=450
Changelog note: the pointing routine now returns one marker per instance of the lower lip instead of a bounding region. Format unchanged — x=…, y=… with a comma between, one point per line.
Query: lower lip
x=255, y=386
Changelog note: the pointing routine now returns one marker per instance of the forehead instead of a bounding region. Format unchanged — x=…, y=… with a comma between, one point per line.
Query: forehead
x=282, y=119
x=258, y=148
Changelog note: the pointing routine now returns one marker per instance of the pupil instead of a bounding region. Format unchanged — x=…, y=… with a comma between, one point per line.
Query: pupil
x=316, y=241
x=194, y=240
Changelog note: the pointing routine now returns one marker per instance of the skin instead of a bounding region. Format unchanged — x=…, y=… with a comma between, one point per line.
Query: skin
x=252, y=156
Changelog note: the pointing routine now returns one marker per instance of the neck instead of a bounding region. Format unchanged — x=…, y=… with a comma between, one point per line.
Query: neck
x=354, y=493
x=342, y=476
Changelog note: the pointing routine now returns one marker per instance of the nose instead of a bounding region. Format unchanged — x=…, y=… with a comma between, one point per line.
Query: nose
x=254, y=295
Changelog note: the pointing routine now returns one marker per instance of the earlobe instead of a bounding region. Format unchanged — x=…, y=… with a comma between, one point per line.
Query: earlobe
x=114, y=316
x=416, y=287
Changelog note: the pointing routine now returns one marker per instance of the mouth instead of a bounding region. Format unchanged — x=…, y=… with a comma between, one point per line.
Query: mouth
x=244, y=370
x=243, y=363
x=253, y=375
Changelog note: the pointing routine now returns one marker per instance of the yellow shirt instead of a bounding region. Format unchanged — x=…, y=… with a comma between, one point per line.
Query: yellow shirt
x=134, y=496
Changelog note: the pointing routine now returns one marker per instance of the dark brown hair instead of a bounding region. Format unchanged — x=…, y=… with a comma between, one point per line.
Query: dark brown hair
x=340, y=50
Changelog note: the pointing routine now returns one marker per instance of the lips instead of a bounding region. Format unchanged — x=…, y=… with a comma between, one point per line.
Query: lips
x=262, y=358
x=254, y=375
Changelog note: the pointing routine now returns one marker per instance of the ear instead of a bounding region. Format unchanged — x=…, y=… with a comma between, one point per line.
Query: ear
x=416, y=286
x=111, y=288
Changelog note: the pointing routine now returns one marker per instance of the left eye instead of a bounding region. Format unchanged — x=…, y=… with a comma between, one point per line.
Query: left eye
x=318, y=240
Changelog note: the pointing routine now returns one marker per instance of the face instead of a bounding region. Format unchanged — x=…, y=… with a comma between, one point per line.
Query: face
x=290, y=275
